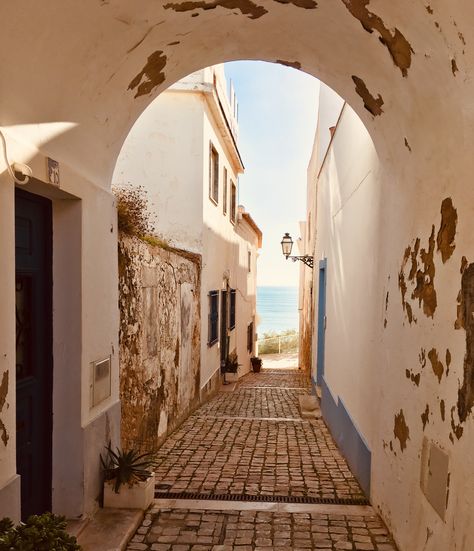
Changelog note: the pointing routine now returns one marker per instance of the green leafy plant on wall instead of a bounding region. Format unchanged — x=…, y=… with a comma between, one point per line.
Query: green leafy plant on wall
x=126, y=466
x=46, y=532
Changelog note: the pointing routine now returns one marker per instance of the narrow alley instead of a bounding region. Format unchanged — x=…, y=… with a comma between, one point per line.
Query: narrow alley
x=246, y=471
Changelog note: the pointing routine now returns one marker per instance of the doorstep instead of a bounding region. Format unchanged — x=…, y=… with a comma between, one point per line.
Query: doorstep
x=109, y=529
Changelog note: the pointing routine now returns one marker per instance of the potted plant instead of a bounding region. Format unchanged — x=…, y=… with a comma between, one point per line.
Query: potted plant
x=129, y=480
x=231, y=363
x=256, y=364
x=46, y=532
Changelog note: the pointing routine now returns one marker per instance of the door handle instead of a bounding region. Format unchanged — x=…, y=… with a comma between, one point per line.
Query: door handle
x=325, y=322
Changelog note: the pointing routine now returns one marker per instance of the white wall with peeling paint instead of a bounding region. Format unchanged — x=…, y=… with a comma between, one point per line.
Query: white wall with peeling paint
x=77, y=64
x=378, y=354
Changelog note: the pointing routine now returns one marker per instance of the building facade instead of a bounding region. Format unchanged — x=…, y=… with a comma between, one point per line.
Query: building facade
x=183, y=151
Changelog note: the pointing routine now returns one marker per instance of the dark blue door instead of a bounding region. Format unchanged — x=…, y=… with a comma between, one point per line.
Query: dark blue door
x=33, y=236
x=321, y=321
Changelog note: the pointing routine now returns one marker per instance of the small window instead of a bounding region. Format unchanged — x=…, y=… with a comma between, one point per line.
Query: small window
x=224, y=192
x=249, y=261
x=232, y=309
x=213, y=317
x=233, y=201
x=250, y=338
x=213, y=174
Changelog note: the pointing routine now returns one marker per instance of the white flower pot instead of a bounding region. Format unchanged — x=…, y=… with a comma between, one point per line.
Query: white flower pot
x=138, y=496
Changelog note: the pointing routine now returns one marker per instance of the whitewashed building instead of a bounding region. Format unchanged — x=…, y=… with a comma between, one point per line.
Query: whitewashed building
x=73, y=83
x=183, y=150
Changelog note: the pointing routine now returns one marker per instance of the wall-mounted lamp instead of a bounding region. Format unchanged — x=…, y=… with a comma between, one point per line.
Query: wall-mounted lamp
x=287, y=245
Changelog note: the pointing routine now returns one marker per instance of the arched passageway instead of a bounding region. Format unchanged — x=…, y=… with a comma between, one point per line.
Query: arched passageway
x=74, y=80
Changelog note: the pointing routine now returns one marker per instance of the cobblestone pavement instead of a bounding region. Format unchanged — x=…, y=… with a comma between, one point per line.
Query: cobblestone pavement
x=218, y=456
x=283, y=378
x=253, y=442
x=218, y=451
x=255, y=403
x=199, y=530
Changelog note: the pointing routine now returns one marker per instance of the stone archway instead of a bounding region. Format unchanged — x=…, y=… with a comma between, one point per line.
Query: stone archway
x=76, y=77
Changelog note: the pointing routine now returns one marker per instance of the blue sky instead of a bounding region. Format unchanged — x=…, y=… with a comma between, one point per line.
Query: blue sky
x=277, y=120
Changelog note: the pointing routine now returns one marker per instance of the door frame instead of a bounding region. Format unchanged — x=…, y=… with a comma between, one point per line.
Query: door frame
x=46, y=382
x=322, y=283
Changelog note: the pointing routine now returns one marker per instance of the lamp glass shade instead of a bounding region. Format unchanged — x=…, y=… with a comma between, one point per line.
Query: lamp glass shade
x=286, y=245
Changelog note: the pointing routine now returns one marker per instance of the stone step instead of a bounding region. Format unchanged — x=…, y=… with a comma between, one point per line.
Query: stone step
x=309, y=406
x=109, y=529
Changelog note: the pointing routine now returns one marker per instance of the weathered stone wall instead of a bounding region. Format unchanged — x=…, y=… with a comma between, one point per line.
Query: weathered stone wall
x=159, y=340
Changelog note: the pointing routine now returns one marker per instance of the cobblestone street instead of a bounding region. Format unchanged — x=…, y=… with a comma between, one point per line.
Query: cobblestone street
x=253, y=442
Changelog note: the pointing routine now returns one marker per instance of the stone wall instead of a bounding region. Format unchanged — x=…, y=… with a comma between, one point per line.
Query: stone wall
x=159, y=340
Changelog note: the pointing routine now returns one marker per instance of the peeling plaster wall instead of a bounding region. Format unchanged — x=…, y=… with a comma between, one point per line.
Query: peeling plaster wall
x=398, y=337
x=159, y=340
x=74, y=100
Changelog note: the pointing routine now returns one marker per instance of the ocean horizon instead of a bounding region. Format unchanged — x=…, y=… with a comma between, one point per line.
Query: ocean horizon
x=277, y=309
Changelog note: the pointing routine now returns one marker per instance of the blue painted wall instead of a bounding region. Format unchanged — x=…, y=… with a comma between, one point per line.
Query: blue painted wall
x=345, y=433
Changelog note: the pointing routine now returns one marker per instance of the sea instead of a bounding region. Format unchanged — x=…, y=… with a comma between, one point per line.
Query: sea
x=277, y=309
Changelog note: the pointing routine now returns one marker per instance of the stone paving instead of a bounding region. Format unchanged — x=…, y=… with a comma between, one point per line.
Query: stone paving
x=200, y=530
x=256, y=457
x=255, y=403
x=253, y=442
x=218, y=451
x=282, y=378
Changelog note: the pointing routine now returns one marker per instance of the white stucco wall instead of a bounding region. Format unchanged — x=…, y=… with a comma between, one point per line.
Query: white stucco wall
x=347, y=226
x=246, y=302
x=85, y=324
x=163, y=153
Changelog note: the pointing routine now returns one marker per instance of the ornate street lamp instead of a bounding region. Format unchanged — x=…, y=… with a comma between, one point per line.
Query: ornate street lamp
x=287, y=245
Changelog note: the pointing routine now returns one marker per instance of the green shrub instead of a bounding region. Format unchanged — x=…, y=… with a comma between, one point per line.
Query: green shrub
x=268, y=343
x=46, y=532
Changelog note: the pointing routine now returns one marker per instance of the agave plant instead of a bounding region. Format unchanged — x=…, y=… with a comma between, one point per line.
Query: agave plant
x=126, y=466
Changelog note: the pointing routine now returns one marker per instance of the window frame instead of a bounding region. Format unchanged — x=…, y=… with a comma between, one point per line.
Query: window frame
x=233, y=202
x=232, y=308
x=213, y=318
x=213, y=174
x=224, y=191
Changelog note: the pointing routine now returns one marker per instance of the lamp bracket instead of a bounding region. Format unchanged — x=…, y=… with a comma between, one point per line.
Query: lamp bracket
x=306, y=259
